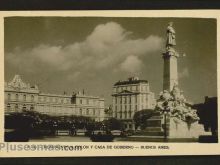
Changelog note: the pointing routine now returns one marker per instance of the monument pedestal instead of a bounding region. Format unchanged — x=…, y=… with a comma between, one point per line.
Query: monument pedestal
x=180, y=129
x=153, y=126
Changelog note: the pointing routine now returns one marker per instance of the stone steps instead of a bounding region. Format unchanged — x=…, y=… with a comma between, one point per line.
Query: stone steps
x=153, y=129
x=150, y=133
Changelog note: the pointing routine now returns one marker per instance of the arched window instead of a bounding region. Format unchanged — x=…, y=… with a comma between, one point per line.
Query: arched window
x=24, y=107
x=16, y=97
x=32, y=107
x=8, y=107
x=24, y=97
x=16, y=107
x=9, y=96
x=32, y=97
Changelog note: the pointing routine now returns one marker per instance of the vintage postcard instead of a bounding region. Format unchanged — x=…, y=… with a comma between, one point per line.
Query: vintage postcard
x=109, y=83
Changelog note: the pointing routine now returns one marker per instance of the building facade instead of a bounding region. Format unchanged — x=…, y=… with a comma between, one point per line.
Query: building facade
x=21, y=96
x=129, y=97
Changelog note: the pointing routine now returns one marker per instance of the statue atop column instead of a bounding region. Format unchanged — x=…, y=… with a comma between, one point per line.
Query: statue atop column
x=171, y=38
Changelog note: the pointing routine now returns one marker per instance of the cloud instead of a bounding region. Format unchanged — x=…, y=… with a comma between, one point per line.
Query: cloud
x=132, y=64
x=109, y=46
x=184, y=73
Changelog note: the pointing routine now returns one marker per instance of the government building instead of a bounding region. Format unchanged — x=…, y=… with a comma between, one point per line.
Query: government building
x=130, y=96
x=21, y=96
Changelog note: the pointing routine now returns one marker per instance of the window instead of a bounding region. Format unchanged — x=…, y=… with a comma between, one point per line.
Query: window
x=80, y=101
x=8, y=107
x=136, y=107
x=98, y=112
x=32, y=97
x=125, y=114
x=24, y=97
x=32, y=107
x=87, y=111
x=93, y=111
x=115, y=100
x=80, y=112
x=61, y=101
x=125, y=100
x=135, y=98
x=45, y=98
x=9, y=96
x=129, y=114
x=116, y=108
x=51, y=99
x=24, y=107
x=87, y=101
x=16, y=107
x=16, y=97
x=130, y=99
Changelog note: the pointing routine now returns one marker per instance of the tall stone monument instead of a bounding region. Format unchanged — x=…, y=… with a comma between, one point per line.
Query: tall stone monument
x=179, y=120
x=170, y=74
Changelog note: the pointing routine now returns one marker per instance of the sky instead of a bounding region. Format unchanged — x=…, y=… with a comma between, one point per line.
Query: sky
x=92, y=53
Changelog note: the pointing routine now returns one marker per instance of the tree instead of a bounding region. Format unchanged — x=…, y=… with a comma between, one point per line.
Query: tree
x=113, y=124
x=207, y=112
x=141, y=117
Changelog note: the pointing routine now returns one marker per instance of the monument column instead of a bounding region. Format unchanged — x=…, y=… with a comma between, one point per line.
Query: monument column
x=170, y=74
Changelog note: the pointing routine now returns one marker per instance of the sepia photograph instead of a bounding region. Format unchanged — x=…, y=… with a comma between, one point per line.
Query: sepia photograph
x=110, y=79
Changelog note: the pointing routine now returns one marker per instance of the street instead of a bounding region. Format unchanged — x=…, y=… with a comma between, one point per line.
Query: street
x=65, y=139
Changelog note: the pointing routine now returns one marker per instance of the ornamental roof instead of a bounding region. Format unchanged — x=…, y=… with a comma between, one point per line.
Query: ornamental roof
x=130, y=81
x=18, y=83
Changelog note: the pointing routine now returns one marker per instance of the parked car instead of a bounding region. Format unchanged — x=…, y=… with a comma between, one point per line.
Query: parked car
x=81, y=132
x=101, y=136
x=63, y=132
x=117, y=133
